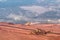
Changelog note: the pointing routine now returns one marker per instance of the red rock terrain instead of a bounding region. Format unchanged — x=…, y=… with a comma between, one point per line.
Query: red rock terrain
x=10, y=31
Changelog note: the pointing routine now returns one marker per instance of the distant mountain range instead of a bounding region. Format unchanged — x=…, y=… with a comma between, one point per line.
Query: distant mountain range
x=26, y=15
x=21, y=11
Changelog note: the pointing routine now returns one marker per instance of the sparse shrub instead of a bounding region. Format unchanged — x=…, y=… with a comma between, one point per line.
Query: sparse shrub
x=40, y=32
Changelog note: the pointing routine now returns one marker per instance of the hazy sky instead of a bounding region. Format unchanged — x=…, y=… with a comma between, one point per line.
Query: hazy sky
x=28, y=10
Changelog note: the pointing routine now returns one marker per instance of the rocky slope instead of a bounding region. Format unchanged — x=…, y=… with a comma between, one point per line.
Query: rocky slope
x=10, y=31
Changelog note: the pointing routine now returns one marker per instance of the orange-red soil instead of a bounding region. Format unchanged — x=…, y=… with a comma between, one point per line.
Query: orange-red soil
x=10, y=31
